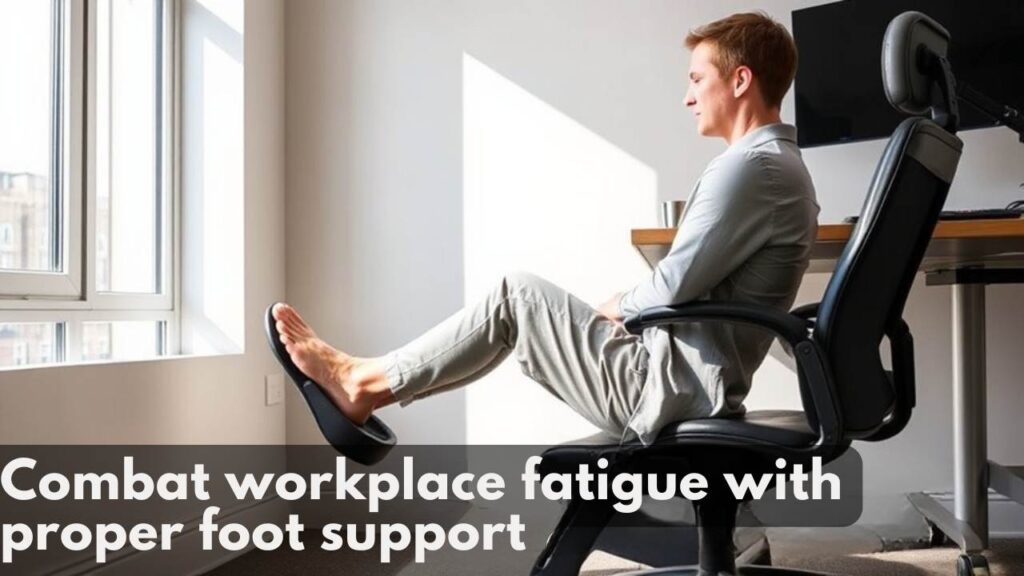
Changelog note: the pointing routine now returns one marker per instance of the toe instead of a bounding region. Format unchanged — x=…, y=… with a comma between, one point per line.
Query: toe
x=295, y=332
x=289, y=322
x=285, y=313
x=298, y=325
x=291, y=318
x=286, y=329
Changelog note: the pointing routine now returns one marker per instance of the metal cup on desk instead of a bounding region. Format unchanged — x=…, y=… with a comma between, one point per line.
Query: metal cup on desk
x=671, y=213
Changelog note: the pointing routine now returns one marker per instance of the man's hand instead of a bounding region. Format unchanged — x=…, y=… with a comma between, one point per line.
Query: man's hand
x=610, y=309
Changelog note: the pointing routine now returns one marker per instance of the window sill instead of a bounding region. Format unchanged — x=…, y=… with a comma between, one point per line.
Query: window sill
x=25, y=368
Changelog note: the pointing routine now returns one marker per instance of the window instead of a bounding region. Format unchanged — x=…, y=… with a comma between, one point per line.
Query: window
x=29, y=343
x=7, y=242
x=129, y=188
x=122, y=340
x=87, y=209
x=35, y=148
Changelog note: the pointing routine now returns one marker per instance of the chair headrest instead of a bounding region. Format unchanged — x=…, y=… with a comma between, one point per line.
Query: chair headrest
x=908, y=76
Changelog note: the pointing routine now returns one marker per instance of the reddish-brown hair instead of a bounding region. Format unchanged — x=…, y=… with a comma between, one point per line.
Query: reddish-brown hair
x=756, y=41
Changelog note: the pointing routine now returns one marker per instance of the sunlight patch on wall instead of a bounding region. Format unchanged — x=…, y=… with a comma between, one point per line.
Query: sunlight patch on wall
x=543, y=194
x=213, y=202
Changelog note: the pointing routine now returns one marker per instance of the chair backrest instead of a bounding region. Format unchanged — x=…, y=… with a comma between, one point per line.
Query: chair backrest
x=864, y=299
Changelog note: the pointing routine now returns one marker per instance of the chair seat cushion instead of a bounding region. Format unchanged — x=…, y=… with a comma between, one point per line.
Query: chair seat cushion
x=771, y=432
x=776, y=428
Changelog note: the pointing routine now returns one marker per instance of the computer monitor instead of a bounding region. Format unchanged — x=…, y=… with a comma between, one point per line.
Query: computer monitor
x=838, y=88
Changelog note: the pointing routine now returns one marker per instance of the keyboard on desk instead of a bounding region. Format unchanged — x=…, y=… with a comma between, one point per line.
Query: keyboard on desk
x=980, y=214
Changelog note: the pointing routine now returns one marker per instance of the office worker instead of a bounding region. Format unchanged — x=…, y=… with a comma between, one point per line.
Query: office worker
x=745, y=236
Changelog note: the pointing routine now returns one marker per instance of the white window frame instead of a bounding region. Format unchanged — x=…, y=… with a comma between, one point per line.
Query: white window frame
x=67, y=282
x=70, y=297
x=164, y=300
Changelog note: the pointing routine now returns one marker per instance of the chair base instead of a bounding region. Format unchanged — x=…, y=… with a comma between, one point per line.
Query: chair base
x=740, y=571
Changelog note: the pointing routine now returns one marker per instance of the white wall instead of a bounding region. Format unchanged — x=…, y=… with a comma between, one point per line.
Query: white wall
x=378, y=250
x=374, y=184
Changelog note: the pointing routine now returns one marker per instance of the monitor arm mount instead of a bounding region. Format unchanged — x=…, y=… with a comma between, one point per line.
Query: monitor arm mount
x=945, y=110
x=1005, y=115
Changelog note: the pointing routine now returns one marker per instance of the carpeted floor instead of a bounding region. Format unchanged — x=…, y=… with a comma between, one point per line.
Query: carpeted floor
x=1006, y=558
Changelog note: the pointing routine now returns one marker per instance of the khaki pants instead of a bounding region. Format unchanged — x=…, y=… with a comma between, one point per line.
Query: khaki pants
x=584, y=359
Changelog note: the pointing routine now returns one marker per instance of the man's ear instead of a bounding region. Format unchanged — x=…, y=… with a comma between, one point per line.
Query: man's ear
x=742, y=78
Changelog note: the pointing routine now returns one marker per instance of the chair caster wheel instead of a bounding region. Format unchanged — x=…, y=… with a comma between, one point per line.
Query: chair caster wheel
x=971, y=565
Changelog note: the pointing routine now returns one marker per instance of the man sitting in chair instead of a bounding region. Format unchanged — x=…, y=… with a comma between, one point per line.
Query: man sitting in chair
x=745, y=236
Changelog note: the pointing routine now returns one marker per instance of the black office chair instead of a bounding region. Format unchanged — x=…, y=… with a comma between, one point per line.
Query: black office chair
x=847, y=393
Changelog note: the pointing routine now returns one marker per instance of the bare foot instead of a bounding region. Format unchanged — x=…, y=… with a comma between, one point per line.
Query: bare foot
x=329, y=367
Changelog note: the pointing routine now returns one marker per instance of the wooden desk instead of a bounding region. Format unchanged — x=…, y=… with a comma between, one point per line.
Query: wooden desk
x=967, y=255
x=956, y=244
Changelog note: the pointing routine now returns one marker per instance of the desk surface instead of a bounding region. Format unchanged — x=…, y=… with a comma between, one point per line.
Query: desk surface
x=956, y=243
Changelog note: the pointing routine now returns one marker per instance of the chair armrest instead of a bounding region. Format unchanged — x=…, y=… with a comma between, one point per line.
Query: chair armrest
x=902, y=378
x=824, y=414
x=806, y=311
x=790, y=327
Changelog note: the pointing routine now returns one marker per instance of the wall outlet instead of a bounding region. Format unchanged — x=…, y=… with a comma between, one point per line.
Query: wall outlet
x=275, y=389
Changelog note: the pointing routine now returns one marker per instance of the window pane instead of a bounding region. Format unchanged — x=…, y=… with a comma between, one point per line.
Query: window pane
x=127, y=115
x=122, y=340
x=28, y=238
x=26, y=343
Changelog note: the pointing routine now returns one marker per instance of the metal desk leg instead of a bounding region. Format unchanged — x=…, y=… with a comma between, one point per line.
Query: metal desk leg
x=972, y=474
x=970, y=482
x=968, y=525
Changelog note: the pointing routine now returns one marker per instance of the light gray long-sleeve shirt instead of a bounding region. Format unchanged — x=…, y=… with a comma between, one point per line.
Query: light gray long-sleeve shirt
x=745, y=236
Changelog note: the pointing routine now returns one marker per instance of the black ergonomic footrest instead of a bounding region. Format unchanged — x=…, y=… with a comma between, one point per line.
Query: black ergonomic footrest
x=366, y=444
